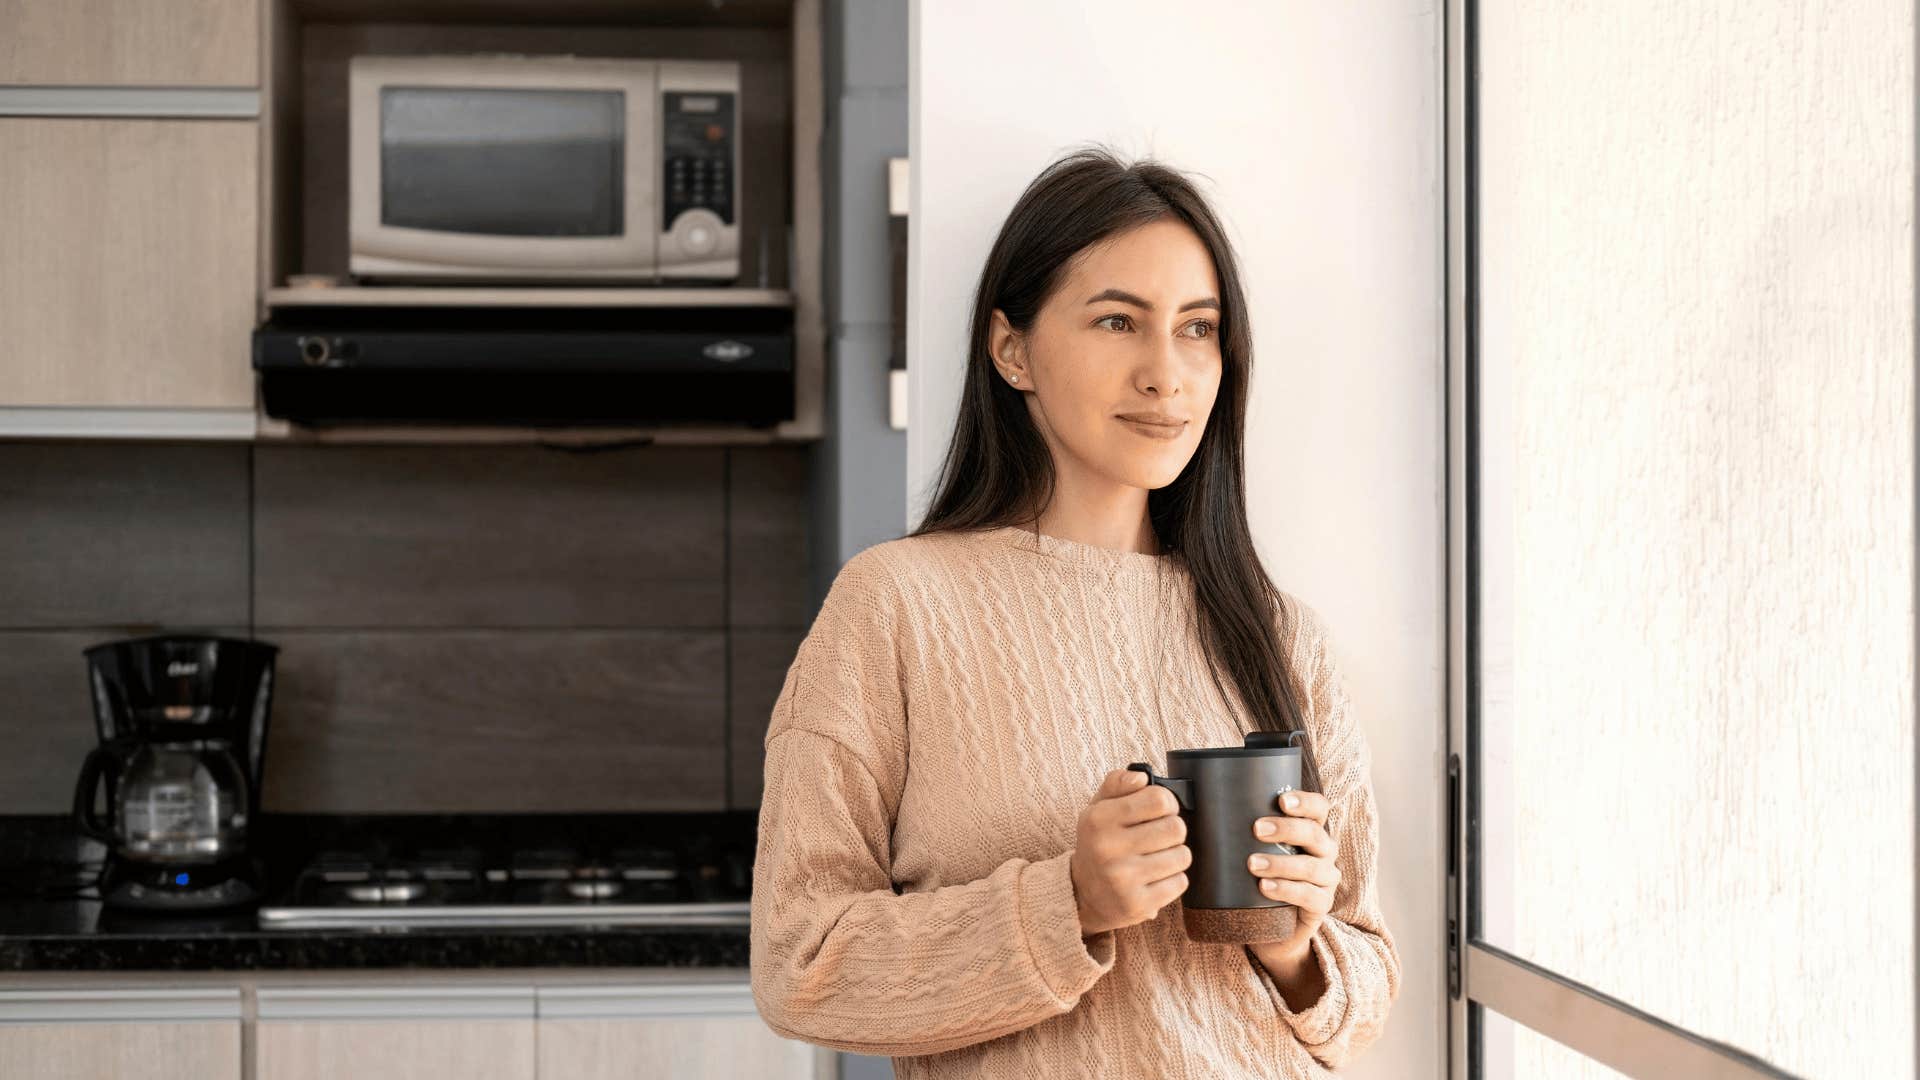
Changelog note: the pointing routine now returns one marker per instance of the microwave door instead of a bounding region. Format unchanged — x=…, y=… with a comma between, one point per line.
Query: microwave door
x=480, y=179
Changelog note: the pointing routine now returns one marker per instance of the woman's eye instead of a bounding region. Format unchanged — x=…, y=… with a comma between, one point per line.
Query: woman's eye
x=1205, y=328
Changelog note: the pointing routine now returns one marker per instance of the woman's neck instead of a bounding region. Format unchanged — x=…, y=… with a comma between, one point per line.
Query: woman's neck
x=1115, y=519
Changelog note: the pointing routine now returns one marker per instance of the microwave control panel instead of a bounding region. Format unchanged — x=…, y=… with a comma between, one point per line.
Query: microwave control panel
x=698, y=133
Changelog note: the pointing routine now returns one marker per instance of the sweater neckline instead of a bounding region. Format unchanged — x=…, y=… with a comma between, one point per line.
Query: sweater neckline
x=1076, y=552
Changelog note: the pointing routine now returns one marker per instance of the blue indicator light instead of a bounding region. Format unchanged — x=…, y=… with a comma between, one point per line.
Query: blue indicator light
x=179, y=879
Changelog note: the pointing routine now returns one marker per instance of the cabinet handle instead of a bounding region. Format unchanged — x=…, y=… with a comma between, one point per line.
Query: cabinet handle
x=148, y=102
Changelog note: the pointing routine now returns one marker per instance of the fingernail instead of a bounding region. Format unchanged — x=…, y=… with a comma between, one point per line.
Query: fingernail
x=1264, y=827
x=1258, y=862
x=1290, y=801
x=1269, y=885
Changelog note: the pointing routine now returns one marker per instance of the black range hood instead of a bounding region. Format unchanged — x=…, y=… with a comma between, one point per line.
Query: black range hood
x=538, y=366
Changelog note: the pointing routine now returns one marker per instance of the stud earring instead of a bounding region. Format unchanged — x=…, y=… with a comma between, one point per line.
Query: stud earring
x=1015, y=378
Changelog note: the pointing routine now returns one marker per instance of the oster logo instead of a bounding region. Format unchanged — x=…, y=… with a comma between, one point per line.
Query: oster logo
x=728, y=350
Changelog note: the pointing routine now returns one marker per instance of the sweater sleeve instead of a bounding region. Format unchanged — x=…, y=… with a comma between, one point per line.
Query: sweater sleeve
x=839, y=957
x=1354, y=948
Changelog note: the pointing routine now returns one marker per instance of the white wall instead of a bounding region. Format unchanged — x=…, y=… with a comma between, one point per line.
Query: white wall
x=1319, y=126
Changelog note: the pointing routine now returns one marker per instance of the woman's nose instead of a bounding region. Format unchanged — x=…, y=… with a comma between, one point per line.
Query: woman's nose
x=1161, y=373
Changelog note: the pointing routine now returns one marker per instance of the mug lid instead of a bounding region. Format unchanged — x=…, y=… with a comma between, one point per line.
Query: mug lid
x=1273, y=738
x=1257, y=744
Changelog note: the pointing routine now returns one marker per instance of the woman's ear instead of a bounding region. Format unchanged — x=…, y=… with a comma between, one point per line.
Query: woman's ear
x=1007, y=349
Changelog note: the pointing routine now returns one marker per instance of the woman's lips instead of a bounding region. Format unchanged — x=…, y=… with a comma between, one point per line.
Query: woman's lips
x=1155, y=431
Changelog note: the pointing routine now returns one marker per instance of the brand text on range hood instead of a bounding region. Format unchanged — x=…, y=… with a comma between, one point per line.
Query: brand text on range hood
x=545, y=366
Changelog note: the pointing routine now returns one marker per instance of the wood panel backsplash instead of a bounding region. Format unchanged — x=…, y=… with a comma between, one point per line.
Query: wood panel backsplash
x=462, y=628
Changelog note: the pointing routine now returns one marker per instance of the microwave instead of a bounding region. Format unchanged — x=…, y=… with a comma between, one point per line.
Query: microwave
x=544, y=169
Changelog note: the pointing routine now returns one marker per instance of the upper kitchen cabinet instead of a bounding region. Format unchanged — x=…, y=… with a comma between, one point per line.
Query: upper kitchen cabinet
x=127, y=276
x=129, y=43
x=129, y=203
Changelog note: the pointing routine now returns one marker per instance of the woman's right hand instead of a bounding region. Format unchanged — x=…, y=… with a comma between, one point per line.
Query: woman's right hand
x=1130, y=854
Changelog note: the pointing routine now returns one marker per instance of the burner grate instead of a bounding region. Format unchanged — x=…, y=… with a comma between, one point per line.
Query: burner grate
x=540, y=885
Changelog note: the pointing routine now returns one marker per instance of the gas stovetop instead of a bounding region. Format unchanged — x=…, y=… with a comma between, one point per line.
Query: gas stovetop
x=507, y=883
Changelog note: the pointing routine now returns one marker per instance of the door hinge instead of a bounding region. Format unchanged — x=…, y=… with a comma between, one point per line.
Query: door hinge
x=1453, y=877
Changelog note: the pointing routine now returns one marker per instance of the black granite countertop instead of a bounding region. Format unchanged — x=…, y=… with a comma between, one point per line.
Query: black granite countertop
x=51, y=920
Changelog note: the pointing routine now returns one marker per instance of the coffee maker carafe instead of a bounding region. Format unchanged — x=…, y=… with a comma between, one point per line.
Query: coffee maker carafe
x=183, y=724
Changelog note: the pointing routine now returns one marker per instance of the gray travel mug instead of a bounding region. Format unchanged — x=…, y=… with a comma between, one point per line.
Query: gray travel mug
x=1222, y=790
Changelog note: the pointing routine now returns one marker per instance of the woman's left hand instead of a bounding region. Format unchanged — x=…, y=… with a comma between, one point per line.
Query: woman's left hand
x=1306, y=880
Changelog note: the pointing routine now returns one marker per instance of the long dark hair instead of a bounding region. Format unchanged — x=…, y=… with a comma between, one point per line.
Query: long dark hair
x=998, y=470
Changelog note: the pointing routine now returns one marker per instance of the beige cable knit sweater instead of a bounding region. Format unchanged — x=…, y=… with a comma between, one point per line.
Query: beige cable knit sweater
x=950, y=713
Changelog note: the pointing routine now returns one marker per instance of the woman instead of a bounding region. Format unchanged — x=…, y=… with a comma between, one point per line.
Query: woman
x=955, y=866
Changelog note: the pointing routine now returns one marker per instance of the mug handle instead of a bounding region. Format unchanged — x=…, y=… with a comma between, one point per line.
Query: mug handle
x=1181, y=786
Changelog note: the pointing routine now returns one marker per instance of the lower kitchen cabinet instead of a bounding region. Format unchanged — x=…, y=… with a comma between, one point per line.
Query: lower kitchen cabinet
x=395, y=1033
x=145, y=1034
x=683, y=1025
x=708, y=1032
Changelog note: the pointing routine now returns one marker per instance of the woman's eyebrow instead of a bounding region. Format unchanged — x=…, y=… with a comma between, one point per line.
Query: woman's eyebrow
x=1128, y=298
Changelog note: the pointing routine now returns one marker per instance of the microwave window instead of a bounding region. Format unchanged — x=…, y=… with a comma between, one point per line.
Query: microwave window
x=503, y=162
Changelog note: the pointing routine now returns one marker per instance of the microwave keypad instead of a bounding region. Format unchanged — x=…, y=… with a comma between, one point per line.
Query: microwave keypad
x=699, y=141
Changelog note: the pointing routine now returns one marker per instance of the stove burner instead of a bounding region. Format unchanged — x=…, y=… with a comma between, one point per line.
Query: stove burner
x=385, y=886
x=388, y=893
x=335, y=866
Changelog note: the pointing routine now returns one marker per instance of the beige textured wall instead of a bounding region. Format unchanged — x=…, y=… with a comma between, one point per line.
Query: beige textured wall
x=1318, y=129
x=1698, y=305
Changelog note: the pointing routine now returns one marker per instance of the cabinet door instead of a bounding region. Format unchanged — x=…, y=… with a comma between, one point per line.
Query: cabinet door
x=162, y=1051
x=132, y=42
x=157, y=1034
x=696, y=1032
x=402, y=1033
x=129, y=269
x=693, y=1048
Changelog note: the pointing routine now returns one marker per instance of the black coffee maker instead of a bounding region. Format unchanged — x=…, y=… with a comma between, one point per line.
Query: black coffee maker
x=183, y=730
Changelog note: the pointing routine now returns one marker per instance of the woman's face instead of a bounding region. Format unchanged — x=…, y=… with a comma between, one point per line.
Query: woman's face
x=1129, y=336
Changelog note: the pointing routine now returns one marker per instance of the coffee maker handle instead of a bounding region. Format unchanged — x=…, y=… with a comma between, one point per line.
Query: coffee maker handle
x=1181, y=786
x=243, y=794
x=90, y=823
